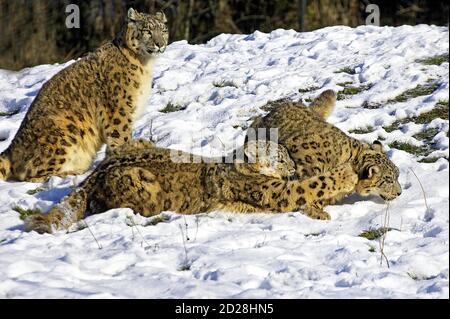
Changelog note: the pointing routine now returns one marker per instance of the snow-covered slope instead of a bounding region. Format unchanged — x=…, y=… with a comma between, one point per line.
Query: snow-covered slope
x=387, y=90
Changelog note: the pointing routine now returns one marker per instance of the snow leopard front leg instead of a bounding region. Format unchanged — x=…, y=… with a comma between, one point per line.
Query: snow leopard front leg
x=265, y=194
x=326, y=188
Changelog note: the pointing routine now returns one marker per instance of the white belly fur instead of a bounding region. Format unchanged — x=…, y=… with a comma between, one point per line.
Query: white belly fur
x=79, y=161
x=145, y=89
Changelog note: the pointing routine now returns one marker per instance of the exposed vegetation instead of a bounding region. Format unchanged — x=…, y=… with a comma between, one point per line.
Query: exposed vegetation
x=347, y=69
x=396, y=125
x=308, y=89
x=441, y=110
x=35, y=191
x=157, y=219
x=316, y=234
x=412, y=149
x=372, y=105
x=434, y=60
x=364, y=130
x=34, y=32
x=10, y=113
x=431, y=159
x=372, y=234
x=224, y=83
x=352, y=90
x=170, y=107
x=427, y=134
x=419, y=90
x=418, y=277
x=24, y=213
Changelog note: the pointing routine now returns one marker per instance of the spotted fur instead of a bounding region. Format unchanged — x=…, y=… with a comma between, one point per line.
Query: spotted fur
x=91, y=102
x=318, y=148
x=145, y=178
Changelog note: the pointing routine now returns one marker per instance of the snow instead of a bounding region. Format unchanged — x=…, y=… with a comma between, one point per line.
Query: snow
x=221, y=86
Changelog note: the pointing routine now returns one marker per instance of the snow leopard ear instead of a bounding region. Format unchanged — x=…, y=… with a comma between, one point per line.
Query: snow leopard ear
x=132, y=15
x=161, y=16
x=377, y=146
x=369, y=172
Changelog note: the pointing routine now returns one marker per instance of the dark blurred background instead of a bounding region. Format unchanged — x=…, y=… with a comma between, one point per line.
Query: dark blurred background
x=34, y=31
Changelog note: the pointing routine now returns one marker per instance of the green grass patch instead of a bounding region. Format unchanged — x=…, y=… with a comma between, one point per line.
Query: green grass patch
x=184, y=267
x=352, y=90
x=419, y=90
x=418, y=277
x=412, y=149
x=442, y=104
x=396, y=125
x=427, y=134
x=11, y=113
x=314, y=234
x=170, y=107
x=224, y=83
x=372, y=249
x=365, y=130
x=345, y=84
x=348, y=69
x=24, y=213
x=372, y=105
x=431, y=159
x=440, y=111
x=157, y=219
x=434, y=60
x=35, y=191
x=372, y=234
x=308, y=89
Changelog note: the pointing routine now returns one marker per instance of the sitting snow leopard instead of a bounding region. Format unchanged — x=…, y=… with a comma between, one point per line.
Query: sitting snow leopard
x=318, y=148
x=93, y=101
x=142, y=177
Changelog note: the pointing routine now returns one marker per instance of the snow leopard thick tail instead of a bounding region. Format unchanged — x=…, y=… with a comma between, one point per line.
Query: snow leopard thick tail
x=75, y=206
x=69, y=211
x=62, y=216
x=324, y=103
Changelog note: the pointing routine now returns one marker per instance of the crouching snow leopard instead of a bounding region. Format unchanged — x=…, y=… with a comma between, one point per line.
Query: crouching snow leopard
x=91, y=102
x=319, y=148
x=142, y=177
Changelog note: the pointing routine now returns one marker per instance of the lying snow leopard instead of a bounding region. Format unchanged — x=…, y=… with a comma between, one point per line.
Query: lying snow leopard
x=319, y=148
x=142, y=177
x=91, y=102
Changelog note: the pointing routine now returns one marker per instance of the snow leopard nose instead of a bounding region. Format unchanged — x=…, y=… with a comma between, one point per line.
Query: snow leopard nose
x=159, y=42
x=398, y=189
